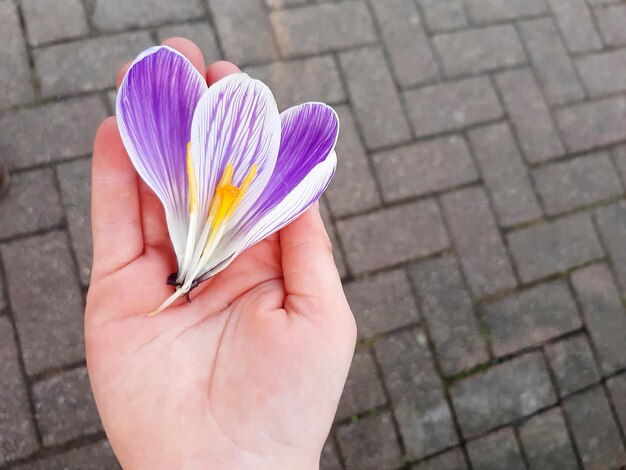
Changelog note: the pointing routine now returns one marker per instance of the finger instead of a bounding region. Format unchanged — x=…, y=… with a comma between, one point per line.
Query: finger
x=121, y=74
x=309, y=272
x=219, y=70
x=189, y=49
x=115, y=219
x=153, y=219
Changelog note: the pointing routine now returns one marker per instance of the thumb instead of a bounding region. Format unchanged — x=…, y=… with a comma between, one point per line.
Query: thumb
x=310, y=276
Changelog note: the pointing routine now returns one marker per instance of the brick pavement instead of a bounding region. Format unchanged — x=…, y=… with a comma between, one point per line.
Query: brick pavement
x=477, y=216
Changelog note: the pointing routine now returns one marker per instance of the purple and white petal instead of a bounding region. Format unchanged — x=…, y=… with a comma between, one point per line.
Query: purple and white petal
x=155, y=108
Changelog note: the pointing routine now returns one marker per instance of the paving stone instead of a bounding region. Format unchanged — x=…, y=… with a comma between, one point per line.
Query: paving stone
x=479, y=50
x=555, y=72
x=15, y=78
x=97, y=456
x=49, y=323
x=593, y=124
x=17, y=431
x=531, y=317
x=574, y=20
x=363, y=390
x=297, y=81
x=330, y=228
x=88, y=65
x=546, y=442
x=572, y=364
x=56, y=131
x=53, y=20
x=567, y=185
x=451, y=460
x=391, y=236
x=65, y=408
x=329, y=459
x=553, y=247
x=382, y=303
x=425, y=167
x=31, y=204
x=374, y=99
x=232, y=18
x=611, y=223
x=370, y=443
x=284, y=3
x=409, y=49
x=443, y=15
x=504, y=174
x=604, y=315
x=201, y=33
x=353, y=188
x=3, y=300
x=321, y=28
x=116, y=15
x=486, y=11
x=452, y=105
x=611, y=22
x=447, y=309
x=416, y=393
x=75, y=181
x=617, y=388
x=478, y=242
x=507, y=391
x=619, y=157
x=496, y=451
x=595, y=432
x=529, y=115
x=604, y=72
x=602, y=2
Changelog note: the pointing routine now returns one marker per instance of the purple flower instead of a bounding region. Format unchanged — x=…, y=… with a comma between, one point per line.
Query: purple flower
x=228, y=168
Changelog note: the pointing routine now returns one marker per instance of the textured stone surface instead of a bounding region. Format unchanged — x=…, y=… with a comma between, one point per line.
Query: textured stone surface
x=369, y=443
x=479, y=50
x=594, y=429
x=447, y=310
x=363, y=390
x=65, y=408
x=322, y=28
x=53, y=20
x=485, y=11
x=15, y=80
x=451, y=106
x=393, y=235
x=531, y=317
x=423, y=168
x=478, y=242
x=231, y=18
x=330, y=459
x=574, y=183
x=595, y=76
x=55, y=131
x=202, y=33
x=611, y=223
x=443, y=15
x=505, y=392
x=89, y=65
x=530, y=116
x=496, y=451
x=572, y=363
x=17, y=430
x=604, y=313
x=416, y=393
x=576, y=24
x=546, y=442
x=412, y=58
x=451, y=460
x=96, y=456
x=46, y=300
x=504, y=174
x=374, y=98
x=382, y=303
x=116, y=15
x=297, y=81
x=552, y=247
x=617, y=388
x=611, y=21
x=24, y=205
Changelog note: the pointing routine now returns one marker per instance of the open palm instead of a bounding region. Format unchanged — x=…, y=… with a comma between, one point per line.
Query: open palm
x=246, y=376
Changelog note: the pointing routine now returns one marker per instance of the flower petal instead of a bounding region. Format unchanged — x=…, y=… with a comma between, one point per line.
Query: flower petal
x=155, y=106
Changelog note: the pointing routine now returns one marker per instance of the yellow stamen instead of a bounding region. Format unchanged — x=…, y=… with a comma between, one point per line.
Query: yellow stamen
x=227, y=198
x=193, y=184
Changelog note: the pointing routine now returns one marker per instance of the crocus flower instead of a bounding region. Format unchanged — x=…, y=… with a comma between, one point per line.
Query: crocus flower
x=227, y=166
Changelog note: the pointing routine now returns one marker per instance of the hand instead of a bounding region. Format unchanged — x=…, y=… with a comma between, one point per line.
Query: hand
x=249, y=374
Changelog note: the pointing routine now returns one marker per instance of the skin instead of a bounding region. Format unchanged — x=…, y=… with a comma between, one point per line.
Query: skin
x=246, y=376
